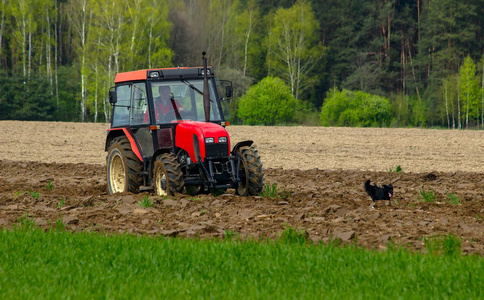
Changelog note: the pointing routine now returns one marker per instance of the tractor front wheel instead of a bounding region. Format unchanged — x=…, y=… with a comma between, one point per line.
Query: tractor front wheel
x=250, y=172
x=167, y=175
x=123, y=167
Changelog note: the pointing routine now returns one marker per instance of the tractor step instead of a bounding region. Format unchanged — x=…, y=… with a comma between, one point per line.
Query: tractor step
x=146, y=188
x=223, y=186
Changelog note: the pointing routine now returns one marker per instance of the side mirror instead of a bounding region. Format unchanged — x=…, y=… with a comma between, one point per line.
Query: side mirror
x=113, y=98
x=228, y=91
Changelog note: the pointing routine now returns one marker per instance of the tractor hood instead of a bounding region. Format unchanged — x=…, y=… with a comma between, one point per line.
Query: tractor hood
x=202, y=139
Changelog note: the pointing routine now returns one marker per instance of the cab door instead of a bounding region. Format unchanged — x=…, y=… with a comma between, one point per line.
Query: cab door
x=139, y=118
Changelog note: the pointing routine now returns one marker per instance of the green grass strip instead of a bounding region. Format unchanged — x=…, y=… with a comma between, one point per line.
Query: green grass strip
x=59, y=264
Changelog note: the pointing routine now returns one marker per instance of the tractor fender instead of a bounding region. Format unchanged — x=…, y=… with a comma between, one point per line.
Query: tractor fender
x=115, y=132
x=241, y=144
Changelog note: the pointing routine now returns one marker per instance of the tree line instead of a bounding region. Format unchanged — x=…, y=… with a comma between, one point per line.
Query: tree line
x=58, y=58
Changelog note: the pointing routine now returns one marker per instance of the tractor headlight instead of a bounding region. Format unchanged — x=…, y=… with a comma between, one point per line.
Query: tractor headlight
x=209, y=140
x=222, y=139
x=154, y=74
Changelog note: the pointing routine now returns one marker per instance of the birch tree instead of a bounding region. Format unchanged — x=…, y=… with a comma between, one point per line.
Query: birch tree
x=22, y=17
x=469, y=90
x=80, y=13
x=247, y=22
x=452, y=103
x=155, y=36
x=2, y=26
x=294, y=45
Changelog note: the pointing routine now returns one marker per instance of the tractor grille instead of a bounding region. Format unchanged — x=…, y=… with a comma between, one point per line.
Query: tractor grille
x=216, y=150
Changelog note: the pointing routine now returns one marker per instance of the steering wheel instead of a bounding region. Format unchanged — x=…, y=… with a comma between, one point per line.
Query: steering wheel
x=168, y=116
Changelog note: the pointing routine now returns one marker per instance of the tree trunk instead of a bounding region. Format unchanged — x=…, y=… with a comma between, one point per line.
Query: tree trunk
x=222, y=38
x=109, y=76
x=458, y=108
x=83, y=89
x=30, y=50
x=150, y=34
x=24, y=46
x=446, y=107
x=95, y=93
x=402, y=70
x=55, y=60
x=247, y=42
x=134, y=32
x=1, y=29
x=48, y=49
x=467, y=108
x=83, y=62
x=413, y=69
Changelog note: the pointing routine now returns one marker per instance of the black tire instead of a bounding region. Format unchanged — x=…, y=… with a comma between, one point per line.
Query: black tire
x=123, y=168
x=250, y=172
x=167, y=175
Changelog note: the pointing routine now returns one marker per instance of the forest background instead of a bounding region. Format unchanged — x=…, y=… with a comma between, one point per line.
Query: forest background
x=345, y=63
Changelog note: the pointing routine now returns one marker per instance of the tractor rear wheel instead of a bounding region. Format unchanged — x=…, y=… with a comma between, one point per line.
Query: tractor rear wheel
x=123, y=167
x=167, y=175
x=250, y=172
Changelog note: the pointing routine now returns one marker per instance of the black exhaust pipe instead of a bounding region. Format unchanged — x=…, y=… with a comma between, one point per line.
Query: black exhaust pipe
x=206, y=92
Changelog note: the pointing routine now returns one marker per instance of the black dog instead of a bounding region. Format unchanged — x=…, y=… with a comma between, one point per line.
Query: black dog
x=379, y=193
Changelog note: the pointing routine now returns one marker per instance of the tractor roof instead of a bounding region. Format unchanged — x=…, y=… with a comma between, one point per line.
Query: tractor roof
x=166, y=73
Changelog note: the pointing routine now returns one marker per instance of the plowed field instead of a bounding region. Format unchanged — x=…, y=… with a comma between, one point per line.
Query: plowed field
x=51, y=171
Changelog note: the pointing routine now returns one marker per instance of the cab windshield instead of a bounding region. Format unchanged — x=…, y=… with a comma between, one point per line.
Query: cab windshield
x=182, y=100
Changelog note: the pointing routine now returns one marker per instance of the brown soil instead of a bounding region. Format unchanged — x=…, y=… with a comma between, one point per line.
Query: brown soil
x=323, y=169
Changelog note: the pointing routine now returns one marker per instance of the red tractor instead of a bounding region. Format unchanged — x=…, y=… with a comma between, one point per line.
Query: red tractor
x=168, y=135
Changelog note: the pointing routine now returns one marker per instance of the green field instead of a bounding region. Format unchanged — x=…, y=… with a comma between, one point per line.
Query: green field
x=59, y=264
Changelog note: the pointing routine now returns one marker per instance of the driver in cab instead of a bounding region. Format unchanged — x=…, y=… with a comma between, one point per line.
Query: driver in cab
x=166, y=107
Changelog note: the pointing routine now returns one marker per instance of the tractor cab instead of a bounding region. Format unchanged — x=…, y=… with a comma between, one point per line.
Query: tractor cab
x=168, y=135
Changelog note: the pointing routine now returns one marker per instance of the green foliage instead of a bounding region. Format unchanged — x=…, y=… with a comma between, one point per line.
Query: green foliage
x=428, y=197
x=306, y=114
x=453, y=199
x=269, y=102
x=293, y=236
x=230, y=234
x=447, y=245
x=401, y=111
x=61, y=203
x=25, y=223
x=469, y=90
x=59, y=225
x=271, y=190
x=25, y=100
x=33, y=100
x=223, y=269
x=347, y=108
x=146, y=202
x=49, y=186
x=34, y=194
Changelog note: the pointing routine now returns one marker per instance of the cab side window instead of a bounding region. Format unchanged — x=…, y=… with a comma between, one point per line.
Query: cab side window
x=121, y=109
x=139, y=105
